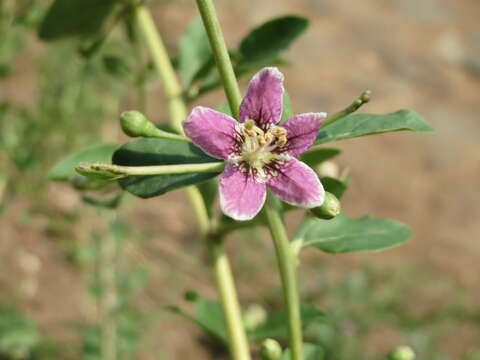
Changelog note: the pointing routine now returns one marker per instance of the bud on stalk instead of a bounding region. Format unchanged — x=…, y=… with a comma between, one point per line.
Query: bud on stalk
x=271, y=350
x=330, y=208
x=135, y=124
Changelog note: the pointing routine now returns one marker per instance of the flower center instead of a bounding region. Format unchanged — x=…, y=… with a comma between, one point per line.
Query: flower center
x=257, y=148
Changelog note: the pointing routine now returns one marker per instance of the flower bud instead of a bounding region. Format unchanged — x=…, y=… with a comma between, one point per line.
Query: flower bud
x=402, y=353
x=330, y=208
x=254, y=316
x=328, y=168
x=135, y=124
x=271, y=350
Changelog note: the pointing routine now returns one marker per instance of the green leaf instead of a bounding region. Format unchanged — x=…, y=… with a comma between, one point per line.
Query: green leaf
x=117, y=66
x=343, y=234
x=67, y=18
x=225, y=108
x=368, y=124
x=275, y=326
x=195, y=54
x=65, y=169
x=208, y=315
x=310, y=352
x=316, y=156
x=287, y=108
x=151, y=151
x=267, y=41
x=334, y=186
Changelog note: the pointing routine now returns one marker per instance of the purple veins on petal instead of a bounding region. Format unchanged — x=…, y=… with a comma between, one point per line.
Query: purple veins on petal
x=263, y=102
x=213, y=131
x=241, y=196
x=302, y=131
x=259, y=153
x=297, y=184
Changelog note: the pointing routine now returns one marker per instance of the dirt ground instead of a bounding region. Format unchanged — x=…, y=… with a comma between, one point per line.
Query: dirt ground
x=424, y=55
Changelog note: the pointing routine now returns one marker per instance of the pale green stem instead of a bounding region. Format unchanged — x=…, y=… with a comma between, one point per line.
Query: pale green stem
x=160, y=134
x=354, y=106
x=287, y=265
x=163, y=65
x=118, y=171
x=199, y=209
x=237, y=338
x=107, y=264
x=220, y=53
x=284, y=255
x=238, y=342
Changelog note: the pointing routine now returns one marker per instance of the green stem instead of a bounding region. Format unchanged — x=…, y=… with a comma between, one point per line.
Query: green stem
x=282, y=245
x=287, y=266
x=220, y=53
x=237, y=338
x=118, y=171
x=163, y=65
x=199, y=209
x=107, y=270
x=354, y=106
x=238, y=343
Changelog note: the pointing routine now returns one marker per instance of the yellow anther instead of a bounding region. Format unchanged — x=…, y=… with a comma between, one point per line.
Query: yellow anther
x=278, y=131
x=282, y=140
x=262, y=141
x=269, y=138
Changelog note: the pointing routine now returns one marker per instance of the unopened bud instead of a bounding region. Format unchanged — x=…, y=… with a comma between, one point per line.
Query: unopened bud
x=100, y=171
x=135, y=124
x=271, y=350
x=254, y=316
x=328, y=168
x=402, y=353
x=330, y=208
x=365, y=97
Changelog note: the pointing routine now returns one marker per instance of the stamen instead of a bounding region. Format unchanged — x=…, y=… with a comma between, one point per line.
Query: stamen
x=282, y=140
x=269, y=138
x=278, y=131
x=257, y=147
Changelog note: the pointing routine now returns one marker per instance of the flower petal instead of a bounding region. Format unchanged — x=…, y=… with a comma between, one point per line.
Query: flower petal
x=297, y=184
x=241, y=196
x=302, y=131
x=213, y=131
x=264, y=99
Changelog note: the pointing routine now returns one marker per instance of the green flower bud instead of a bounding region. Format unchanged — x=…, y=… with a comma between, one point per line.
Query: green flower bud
x=135, y=124
x=271, y=350
x=402, y=353
x=254, y=316
x=330, y=208
x=100, y=171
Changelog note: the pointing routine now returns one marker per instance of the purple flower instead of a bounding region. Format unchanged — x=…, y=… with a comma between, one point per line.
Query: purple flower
x=259, y=153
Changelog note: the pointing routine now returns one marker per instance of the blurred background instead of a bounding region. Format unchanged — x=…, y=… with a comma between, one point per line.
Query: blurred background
x=420, y=54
